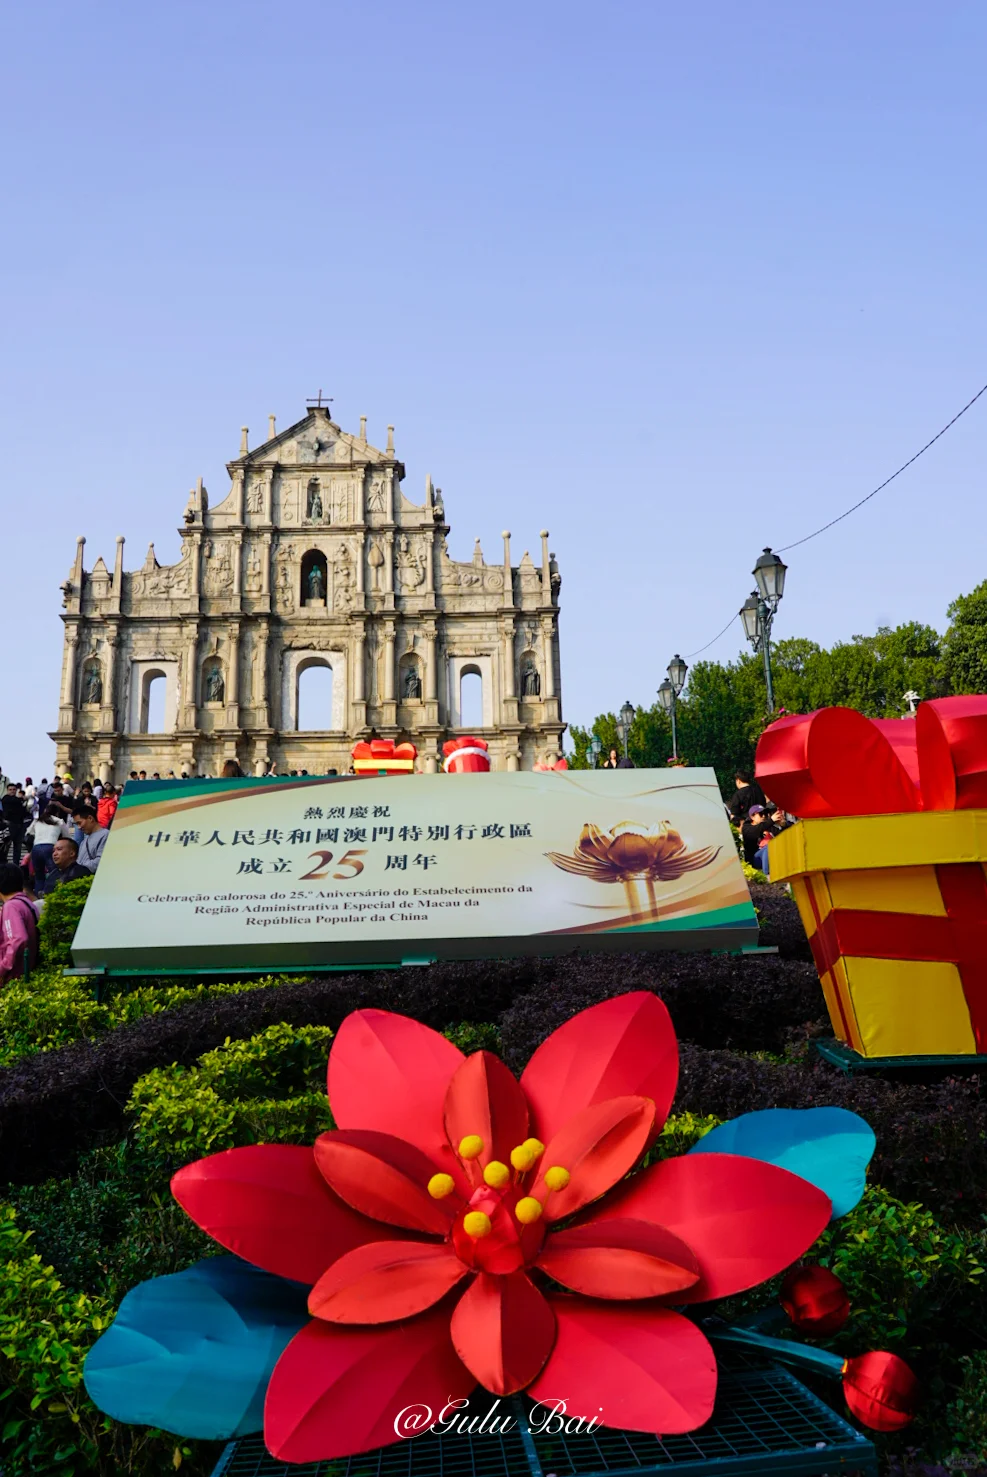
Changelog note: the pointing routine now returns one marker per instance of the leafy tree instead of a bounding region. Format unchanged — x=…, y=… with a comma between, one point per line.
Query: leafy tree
x=965, y=643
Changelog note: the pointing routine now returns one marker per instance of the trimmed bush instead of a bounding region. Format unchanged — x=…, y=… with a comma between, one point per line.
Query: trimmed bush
x=60, y=918
x=270, y=1088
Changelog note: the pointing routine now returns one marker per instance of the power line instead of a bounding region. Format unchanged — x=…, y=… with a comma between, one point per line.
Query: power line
x=902, y=468
x=839, y=519
x=715, y=638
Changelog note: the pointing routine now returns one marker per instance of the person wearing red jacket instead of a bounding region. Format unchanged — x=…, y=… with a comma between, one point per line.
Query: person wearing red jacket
x=106, y=806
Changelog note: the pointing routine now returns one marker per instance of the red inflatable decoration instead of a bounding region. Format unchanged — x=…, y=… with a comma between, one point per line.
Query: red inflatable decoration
x=556, y=764
x=383, y=756
x=420, y=1219
x=880, y=1390
x=837, y=762
x=815, y=1300
x=466, y=756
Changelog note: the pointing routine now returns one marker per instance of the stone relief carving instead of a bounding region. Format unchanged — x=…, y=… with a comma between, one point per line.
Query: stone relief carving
x=376, y=561
x=343, y=579
x=219, y=568
x=284, y=582
x=288, y=502
x=410, y=563
x=254, y=579
x=377, y=495
x=255, y=498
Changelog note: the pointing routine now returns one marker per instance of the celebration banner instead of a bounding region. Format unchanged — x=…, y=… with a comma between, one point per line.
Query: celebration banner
x=279, y=873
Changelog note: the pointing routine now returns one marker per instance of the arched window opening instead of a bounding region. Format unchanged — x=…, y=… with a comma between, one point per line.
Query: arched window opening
x=315, y=698
x=153, y=704
x=315, y=578
x=470, y=698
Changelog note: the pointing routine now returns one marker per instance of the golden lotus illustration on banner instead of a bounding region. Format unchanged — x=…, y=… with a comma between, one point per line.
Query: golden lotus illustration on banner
x=630, y=851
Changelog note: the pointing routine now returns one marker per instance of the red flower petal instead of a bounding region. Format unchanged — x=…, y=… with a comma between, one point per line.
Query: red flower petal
x=619, y=1259
x=384, y=1177
x=597, y=1146
x=506, y=1247
x=745, y=1220
x=269, y=1204
x=637, y=1367
x=384, y=1281
x=337, y=1391
x=485, y=1098
x=624, y=1046
x=390, y=1073
x=503, y=1330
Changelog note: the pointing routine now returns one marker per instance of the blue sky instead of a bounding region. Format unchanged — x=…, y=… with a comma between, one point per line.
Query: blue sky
x=672, y=281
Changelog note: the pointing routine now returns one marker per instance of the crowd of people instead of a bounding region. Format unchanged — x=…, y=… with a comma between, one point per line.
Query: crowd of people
x=757, y=818
x=49, y=834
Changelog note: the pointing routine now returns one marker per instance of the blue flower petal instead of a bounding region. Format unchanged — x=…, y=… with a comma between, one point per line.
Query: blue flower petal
x=192, y=1353
x=829, y=1147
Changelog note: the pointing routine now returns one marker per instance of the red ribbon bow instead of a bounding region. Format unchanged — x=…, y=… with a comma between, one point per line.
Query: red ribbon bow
x=837, y=762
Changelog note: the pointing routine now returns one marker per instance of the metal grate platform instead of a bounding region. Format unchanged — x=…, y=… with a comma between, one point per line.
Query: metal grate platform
x=765, y=1421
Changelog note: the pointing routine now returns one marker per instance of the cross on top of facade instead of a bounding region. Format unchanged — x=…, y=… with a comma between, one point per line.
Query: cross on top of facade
x=318, y=399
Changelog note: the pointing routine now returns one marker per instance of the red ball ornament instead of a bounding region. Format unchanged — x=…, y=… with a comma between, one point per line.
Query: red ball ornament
x=815, y=1300
x=881, y=1390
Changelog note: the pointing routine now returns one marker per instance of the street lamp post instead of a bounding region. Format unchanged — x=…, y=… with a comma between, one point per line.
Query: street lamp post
x=624, y=724
x=759, y=609
x=595, y=745
x=668, y=695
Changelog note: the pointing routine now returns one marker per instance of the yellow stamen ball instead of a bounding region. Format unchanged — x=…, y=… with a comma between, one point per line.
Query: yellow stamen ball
x=522, y=1158
x=528, y=1210
x=556, y=1178
x=476, y=1224
x=471, y=1147
x=535, y=1145
x=441, y=1185
x=496, y=1174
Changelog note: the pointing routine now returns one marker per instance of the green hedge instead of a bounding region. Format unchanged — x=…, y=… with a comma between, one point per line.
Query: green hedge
x=60, y=918
x=49, y=1010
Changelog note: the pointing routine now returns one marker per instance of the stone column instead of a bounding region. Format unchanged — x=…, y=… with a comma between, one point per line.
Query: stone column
x=267, y=500
x=190, y=674
x=239, y=477
x=508, y=577
x=430, y=563
x=360, y=561
x=265, y=566
x=108, y=716
x=389, y=566
x=233, y=679
x=196, y=565
x=67, y=699
x=116, y=589
x=508, y=650
x=388, y=661
x=359, y=668
x=430, y=673
x=546, y=569
x=258, y=696
x=237, y=563
x=548, y=658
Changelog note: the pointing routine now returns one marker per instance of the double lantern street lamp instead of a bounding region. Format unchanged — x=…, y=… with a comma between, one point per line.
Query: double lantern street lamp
x=624, y=724
x=759, y=609
x=668, y=694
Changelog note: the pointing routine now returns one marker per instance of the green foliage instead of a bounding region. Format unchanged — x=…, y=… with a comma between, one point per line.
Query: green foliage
x=60, y=918
x=724, y=709
x=50, y=1010
x=472, y=1036
x=47, y=1423
x=115, y=1224
x=965, y=644
x=269, y=1088
x=907, y=1277
x=47, y=1011
x=966, y=1416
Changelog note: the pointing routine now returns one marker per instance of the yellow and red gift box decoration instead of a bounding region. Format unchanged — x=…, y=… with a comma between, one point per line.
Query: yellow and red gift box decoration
x=887, y=868
x=383, y=756
x=465, y=756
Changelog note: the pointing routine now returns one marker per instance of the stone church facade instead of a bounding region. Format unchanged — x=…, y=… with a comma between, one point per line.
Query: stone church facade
x=315, y=557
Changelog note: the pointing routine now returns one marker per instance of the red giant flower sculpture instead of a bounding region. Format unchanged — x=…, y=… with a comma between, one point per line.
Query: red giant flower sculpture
x=424, y=1222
